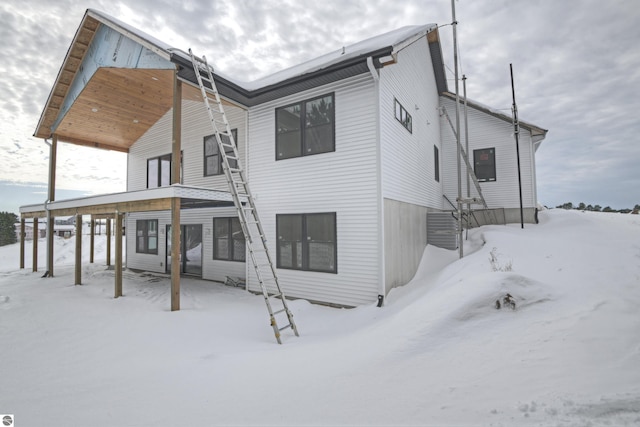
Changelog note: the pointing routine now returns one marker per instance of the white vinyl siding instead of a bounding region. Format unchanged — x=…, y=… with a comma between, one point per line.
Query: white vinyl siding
x=195, y=126
x=342, y=181
x=407, y=157
x=486, y=131
x=211, y=269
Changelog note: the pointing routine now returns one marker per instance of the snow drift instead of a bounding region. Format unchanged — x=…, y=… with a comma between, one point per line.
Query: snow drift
x=438, y=353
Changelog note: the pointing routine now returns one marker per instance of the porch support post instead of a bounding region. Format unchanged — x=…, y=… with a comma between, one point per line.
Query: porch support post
x=118, y=234
x=53, y=149
x=22, y=242
x=78, y=250
x=108, y=241
x=175, y=254
x=176, y=161
x=35, y=244
x=92, y=231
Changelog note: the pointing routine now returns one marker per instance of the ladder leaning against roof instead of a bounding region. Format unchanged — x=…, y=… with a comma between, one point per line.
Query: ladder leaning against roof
x=239, y=188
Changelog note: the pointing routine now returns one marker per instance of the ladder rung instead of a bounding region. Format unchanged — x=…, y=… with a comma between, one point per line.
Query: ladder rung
x=279, y=311
x=285, y=327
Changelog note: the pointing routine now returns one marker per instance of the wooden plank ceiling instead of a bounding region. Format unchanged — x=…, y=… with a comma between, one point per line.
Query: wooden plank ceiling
x=116, y=107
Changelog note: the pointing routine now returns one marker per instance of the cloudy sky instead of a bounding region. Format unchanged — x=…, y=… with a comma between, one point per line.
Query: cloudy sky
x=576, y=66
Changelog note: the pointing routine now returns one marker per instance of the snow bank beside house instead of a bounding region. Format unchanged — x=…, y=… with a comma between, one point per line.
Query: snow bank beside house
x=437, y=353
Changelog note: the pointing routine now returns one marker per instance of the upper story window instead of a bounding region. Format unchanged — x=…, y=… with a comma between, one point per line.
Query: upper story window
x=213, y=159
x=484, y=164
x=147, y=236
x=307, y=242
x=305, y=128
x=159, y=171
x=402, y=115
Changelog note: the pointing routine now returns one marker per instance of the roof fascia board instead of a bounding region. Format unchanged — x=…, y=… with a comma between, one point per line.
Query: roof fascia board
x=130, y=34
x=60, y=71
x=254, y=97
x=535, y=130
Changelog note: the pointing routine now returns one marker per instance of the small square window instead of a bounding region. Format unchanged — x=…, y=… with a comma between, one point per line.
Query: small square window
x=403, y=116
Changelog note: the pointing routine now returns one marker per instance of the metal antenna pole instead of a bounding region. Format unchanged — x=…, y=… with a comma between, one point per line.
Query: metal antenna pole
x=466, y=148
x=455, y=66
x=516, y=132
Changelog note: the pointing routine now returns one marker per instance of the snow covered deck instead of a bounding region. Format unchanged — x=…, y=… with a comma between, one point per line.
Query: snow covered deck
x=153, y=199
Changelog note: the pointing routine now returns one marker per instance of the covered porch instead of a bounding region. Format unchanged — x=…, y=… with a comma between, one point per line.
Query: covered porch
x=114, y=207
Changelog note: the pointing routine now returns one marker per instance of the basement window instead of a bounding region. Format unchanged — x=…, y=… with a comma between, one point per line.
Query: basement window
x=305, y=128
x=212, y=158
x=147, y=236
x=228, y=239
x=307, y=242
x=484, y=164
x=402, y=115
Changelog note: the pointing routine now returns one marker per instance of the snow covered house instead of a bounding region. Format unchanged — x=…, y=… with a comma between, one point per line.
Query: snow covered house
x=347, y=156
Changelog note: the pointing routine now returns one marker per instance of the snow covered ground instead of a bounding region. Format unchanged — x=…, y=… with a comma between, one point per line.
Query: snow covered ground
x=438, y=353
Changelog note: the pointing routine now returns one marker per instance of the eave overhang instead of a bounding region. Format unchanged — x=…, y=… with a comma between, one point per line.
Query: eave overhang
x=537, y=133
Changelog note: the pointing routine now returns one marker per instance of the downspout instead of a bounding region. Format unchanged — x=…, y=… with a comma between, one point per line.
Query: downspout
x=380, y=200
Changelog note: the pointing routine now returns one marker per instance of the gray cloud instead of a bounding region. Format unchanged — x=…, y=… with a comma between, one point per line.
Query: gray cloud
x=576, y=66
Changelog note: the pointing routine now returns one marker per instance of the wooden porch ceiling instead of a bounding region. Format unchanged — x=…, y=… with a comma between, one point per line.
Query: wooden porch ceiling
x=116, y=107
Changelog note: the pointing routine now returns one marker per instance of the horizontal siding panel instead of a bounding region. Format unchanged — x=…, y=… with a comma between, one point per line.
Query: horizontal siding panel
x=343, y=181
x=407, y=158
x=195, y=126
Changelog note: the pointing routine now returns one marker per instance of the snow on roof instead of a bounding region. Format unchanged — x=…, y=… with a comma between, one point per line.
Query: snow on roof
x=391, y=39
